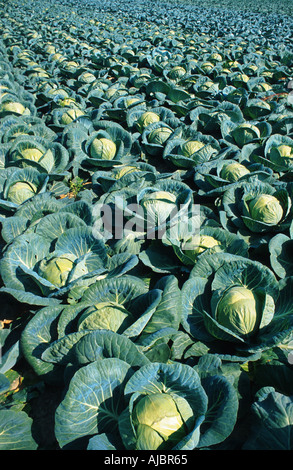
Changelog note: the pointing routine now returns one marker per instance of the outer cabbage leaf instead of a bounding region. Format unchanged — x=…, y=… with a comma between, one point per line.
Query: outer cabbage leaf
x=15, y=431
x=272, y=422
x=98, y=393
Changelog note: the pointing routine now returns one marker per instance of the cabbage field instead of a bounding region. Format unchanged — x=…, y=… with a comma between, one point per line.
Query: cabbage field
x=146, y=189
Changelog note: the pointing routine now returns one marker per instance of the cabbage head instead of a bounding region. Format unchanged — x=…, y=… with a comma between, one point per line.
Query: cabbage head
x=207, y=67
x=66, y=102
x=266, y=208
x=233, y=299
x=158, y=422
x=33, y=154
x=125, y=170
x=87, y=77
x=70, y=115
x=257, y=206
x=158, y=406
x=177, y=72
x=62, y=94
x=239, y=310
x=158, y=205
x=128, y=102
x=106, y=316
x=208, y=84
x=233, y=171
x=245, y=133
x=147, y=118
x=103, y=148
x=197, y=244
x=56, y=270
x=21, y=191
x=160, y=135
x=282, y=155
x=12, y=107
x=239, y=79
x=190, y=147
x=216, y=56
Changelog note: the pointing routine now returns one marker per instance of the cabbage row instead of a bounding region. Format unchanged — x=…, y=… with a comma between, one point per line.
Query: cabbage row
x=121, y=334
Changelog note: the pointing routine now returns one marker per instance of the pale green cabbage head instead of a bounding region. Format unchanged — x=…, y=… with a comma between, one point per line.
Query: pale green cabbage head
x=59, y=91
x=216, y=56
x=262, y=87
x=130, y=101
x=13, y=107
x=160, y=135
x=207, y=66
x=158, y=423
x=87, y=77
x=242, y=77
x=285, y=150
x=190, y=147
x=245, y=133
x=36, y=155
x=233, y=171
x=66, y=102
x=266, y=208
x=70, y=115
x=197, y=244
x=112, y=91
x=158, y=206
x=44, y=157
x=106, y=316
x=21, y=191
x=147, y=118
x=125, y=170
x=177, y=72
x=282, y=155
x=56, y=270
x=239, y=311
x=208, y=84
x=50, y=49
x=159, y=195
x=103, y=148
x=33, y=154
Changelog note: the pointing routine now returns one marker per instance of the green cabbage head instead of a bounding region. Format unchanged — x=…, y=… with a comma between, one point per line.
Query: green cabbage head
x=13, y=107
x=125, y=170
x=158, y=421
x=36, y=155
x=21, y=191
x=160, y=135
x=147, y=118
x=106, y=316
x=239, y=310
x=71, y=115
x=197, y=244
x=282, y=155
x=245, y=133
x=216, y=56
x=158, y=205
x=177, y=72
x=130, y=101
x=56, y=270
x=103, y=148
x=266, y=208
x=190, y=147
x=33, y=154
x=233, y=171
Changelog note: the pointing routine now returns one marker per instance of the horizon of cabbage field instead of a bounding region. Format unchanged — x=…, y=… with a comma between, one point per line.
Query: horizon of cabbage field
x=146, y=186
